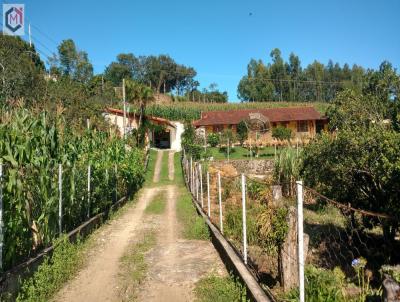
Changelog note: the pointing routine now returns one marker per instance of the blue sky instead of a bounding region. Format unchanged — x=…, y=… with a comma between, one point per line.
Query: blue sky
x=218, y=38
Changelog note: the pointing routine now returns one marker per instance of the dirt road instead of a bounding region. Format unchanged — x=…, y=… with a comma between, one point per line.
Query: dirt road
x=174, y=264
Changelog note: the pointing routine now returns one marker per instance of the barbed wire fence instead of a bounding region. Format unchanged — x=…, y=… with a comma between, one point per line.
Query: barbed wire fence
x=248, y=211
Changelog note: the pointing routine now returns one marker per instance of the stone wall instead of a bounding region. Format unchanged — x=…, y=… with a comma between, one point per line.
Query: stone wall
x=255, y=166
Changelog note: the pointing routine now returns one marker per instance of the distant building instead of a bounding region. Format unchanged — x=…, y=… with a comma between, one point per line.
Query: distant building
x=304, y=122
x=168, y=137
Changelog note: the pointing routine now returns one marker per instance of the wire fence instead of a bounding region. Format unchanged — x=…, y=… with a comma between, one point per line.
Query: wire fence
x=267, y=225
x=37, y=205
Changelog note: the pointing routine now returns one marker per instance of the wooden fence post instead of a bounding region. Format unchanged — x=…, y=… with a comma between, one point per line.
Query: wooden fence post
x=201, y=187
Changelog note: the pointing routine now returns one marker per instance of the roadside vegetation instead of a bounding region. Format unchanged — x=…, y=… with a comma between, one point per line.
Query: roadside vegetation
x=194, y=227
x=213, y=288
x=54, y=271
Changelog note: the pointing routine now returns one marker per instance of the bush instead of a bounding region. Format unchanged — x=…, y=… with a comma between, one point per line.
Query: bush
x=213, y=139
x=321, y=286
x=242, y=132
x=282, y=133
x=220, y=289
x=52, y=273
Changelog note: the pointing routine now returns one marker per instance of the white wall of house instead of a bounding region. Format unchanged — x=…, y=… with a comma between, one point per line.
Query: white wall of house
x=175, y=133
x=176, y=136
x=118, y=121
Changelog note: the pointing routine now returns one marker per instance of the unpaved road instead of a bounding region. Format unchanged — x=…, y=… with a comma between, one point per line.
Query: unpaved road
x=174, y=264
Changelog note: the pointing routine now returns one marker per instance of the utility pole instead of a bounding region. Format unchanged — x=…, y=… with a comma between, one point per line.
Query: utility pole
x=29, y=31
x=123, y=100
x=102, y=84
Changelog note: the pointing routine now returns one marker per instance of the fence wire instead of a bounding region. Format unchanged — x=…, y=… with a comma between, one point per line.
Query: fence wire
x=338, y=237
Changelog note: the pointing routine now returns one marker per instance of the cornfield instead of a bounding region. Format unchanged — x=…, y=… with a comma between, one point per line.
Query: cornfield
x=188, y=111
x=31, y=149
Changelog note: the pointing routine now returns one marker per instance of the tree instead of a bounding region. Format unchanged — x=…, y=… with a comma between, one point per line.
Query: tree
x=73, y=62
x=360, y=164
x=242, y=132
x=22, y=73
x=139, y=94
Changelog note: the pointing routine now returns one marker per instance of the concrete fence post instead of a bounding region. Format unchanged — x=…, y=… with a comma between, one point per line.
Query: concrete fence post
x=88, y=190
x=1, y=217
x=300, y=238
x=244, y=218
x=116, y=182
x=60, y=198
x=201, y=186
x=221, y=225
x=208, y=195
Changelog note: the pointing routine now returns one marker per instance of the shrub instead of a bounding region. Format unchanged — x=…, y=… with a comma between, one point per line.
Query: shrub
x=242, y=132
x=213, y=139
x=272, y=227
x=322, y=285
x=282, y=133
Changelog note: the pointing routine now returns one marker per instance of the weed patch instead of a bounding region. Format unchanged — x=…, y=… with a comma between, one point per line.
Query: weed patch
x=194, y=226
x=53, y=272
x=219, y=289
x=134, y=266
x=157, y=204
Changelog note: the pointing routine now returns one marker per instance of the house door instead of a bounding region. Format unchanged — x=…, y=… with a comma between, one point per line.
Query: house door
x=162, y=139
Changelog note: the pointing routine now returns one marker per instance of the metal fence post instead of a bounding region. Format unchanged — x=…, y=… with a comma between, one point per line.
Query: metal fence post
x=208, y=195
x=60, y=197
x=88, y=193
x=221, y=226
x=244, y=219
x=1, y=217
x=300, y=238
x=201, y=186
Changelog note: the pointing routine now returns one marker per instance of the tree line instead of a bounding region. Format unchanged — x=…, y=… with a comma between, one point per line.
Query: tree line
x=69, y=78
x=279, y=80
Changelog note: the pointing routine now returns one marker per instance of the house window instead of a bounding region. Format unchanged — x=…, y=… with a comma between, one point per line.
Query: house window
x=284, y=124
x=302, y=126
x=273, y=125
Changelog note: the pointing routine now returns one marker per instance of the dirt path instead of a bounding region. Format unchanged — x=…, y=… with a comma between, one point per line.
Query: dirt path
x=157, y=168
x=174, y=264
x=177, y=264
x=98, y=281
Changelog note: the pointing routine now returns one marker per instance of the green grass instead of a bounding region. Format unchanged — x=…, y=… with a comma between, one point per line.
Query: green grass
x=194, y=226
x=219, y=289
x=164, y=179
x=150, y=167
x=53, y=272
x=242, y=153
x=134, y=266
x=157, y=204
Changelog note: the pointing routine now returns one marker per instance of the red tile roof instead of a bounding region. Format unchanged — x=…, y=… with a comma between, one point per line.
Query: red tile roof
x=158, y=120
x=233, y=117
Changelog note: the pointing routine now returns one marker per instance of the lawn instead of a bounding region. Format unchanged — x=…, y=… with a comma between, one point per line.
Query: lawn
x=242, y=153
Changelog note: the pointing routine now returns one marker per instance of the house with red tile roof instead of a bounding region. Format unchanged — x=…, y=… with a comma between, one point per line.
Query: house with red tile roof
x=304, y=122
